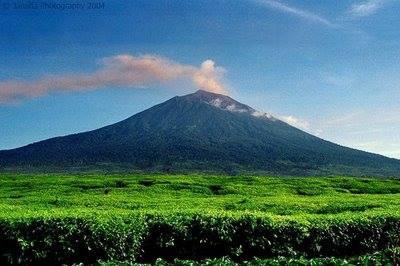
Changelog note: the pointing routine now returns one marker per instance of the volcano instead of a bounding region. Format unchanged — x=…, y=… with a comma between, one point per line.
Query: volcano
x=201, y=131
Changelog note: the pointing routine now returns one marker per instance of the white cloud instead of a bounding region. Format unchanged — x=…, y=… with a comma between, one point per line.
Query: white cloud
x=216, y=102
x=121, y=70
x=367, y=8
x=296, y=122
x=262, y=114
x=234, y=108
x=301, y=13
x=291, y=120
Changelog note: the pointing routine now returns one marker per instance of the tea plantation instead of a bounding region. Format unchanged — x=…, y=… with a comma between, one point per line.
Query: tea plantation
x=123, y=219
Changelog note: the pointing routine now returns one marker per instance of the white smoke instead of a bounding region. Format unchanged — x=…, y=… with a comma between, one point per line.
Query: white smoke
x=121, y=70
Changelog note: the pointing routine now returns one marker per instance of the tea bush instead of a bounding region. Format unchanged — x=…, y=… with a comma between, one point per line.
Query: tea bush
x=53, y=219
x=147, y=237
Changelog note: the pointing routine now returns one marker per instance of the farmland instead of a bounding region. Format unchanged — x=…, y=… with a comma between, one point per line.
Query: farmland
x=141, y=217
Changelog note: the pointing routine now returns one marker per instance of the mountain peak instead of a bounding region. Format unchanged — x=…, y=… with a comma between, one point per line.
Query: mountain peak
x=200, y=131
x=205, y=95
x=225, y=102
x=220, y=101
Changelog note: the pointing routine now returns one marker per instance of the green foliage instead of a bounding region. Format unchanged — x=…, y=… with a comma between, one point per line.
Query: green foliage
x=67, y=240
x=54, y=219
x=24, y=195
x=120, y=183
x=146, y=182
x=387, y=257
x=144, y=238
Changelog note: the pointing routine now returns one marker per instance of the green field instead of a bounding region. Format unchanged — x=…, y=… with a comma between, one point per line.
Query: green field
x=49, y=194
x=142, y=217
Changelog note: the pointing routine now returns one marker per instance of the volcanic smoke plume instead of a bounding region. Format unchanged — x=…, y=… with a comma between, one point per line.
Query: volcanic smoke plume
x=122, y=71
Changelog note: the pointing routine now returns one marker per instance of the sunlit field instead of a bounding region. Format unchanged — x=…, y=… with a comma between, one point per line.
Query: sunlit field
x=107, y=218
x=24, y=195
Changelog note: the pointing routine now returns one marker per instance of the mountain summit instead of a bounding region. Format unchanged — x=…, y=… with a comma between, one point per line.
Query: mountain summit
x=201, y=131
x=220, y=101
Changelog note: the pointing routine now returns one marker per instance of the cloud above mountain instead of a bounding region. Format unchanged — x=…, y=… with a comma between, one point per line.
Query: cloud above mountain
x=367, y=8
x=122, y=71
x=295, y=11
x=296, y=122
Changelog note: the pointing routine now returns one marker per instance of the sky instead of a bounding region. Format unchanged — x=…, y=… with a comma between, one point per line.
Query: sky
x=330, y=67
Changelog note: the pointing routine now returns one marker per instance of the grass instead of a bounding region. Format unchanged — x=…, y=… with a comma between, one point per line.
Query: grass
x=26, y=195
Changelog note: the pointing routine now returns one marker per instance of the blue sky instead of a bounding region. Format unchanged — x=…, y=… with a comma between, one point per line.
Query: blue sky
x=328, y=67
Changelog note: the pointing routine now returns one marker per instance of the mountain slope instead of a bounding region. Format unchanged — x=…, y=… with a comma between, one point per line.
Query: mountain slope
x=202, y=131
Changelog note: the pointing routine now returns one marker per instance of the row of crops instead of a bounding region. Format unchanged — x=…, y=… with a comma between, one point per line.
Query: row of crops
x=144, y=238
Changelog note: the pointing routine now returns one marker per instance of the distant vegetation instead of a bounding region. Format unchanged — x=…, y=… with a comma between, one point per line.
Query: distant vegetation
x=52, y=219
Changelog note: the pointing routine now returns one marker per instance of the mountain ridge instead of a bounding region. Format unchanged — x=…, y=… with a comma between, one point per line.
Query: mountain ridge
x=198, y=132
